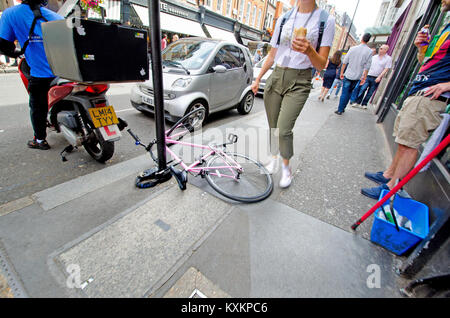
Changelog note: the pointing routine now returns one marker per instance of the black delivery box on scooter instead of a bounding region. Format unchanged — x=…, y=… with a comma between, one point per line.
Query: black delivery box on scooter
x=88, y=51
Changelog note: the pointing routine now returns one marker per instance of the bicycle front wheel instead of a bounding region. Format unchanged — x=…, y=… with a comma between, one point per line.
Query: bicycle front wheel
x=239, y=178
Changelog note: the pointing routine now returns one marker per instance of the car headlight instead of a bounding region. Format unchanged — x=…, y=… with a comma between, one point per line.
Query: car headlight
x=169, y=96
x=182, y=82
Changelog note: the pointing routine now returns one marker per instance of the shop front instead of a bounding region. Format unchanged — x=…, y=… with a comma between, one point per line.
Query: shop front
x=175, y=18
x=248, y=34
x=217, y=26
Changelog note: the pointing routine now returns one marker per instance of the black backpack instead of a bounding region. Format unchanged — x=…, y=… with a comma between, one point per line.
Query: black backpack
x=322, y=22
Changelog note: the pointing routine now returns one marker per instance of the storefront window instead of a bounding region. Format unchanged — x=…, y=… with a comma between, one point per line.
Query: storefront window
x=259, y=19
x=241, y=9
x=254, y=16
x=229, y=7
x=247, y=16
x=415, y=67
x=219, y=6
x=438, y=23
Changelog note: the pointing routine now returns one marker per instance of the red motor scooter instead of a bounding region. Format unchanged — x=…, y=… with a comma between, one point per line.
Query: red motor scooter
x=82, y=114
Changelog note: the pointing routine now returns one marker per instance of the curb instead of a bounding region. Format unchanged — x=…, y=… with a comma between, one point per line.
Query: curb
x=9, y=70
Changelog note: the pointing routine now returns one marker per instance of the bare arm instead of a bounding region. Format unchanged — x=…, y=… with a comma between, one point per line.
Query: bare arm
x=420, y=38
x=380, y=77
x=266, y=66
x=364, y=77
x=437, y=90
x=341, y=76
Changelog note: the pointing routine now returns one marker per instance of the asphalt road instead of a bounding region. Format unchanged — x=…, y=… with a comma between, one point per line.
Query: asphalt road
x=25, y=171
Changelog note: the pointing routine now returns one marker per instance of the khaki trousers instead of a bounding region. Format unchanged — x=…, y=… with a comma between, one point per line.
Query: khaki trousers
x=285, y=94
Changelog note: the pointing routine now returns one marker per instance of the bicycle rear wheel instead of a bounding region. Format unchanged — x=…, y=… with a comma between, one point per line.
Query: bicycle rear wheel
x=253, y=183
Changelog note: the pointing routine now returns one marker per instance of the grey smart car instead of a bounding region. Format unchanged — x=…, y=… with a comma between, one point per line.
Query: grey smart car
x=199, y=72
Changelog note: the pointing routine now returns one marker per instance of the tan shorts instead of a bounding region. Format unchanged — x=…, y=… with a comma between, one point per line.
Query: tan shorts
x=416, y=120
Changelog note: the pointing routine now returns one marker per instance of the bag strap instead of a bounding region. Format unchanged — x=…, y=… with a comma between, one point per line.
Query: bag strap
x=322, y=23
x=285, y=18
x=37, y=16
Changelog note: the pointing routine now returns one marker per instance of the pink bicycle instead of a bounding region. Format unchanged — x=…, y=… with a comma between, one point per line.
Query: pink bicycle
x=233, y=175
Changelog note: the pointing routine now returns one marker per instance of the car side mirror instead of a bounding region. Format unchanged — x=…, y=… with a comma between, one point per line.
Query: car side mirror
x=219, y=69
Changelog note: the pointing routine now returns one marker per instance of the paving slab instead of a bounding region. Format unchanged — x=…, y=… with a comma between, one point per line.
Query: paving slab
x=271, y=250
x=139, y=250
x=330, y=173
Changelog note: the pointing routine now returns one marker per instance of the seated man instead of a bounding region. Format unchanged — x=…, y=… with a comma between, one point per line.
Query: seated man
x=420, y=114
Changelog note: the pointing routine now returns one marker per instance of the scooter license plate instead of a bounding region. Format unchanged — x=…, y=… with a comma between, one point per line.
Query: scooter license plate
x=103, y=116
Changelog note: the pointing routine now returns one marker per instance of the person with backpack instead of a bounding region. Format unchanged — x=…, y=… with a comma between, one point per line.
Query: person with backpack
x=23, y=23
x=289, y=85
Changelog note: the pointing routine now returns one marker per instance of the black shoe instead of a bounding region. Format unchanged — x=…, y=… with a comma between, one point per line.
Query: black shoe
x=338, y=112
x=43, y=145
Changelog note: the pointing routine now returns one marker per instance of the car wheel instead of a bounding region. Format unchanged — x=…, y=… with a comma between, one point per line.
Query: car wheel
x=196, y=105
x=246, y=104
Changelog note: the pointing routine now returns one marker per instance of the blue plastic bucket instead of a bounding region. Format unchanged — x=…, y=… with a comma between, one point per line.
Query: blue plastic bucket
x=385, y=233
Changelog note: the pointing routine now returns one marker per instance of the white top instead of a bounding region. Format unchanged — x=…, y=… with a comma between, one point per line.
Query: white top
x=287, y=57
x=358, y=59
x=379, y=64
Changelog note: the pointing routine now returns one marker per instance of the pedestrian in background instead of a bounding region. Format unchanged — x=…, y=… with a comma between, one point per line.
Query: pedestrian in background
x=381, y=64
x=356, y=65
x=337, y=83
x=357, y=89
x=258, y=56
x=420, y=114
x=289, y=85
x=175, y=38
x=330, y=74
x=164, y=42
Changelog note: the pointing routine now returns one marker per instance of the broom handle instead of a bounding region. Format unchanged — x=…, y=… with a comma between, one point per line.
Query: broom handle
x=405, y=180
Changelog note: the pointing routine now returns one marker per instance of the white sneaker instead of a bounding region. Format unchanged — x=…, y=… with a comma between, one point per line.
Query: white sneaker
x=355, y=105
x=286, y=178
x=273, y=165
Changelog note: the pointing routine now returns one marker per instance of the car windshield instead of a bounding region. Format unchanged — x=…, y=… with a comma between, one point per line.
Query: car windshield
x=261, y=63
x=191, y=54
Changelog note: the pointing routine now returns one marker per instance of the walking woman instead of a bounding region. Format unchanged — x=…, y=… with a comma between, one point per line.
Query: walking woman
x=330, y=74
x=289, y=85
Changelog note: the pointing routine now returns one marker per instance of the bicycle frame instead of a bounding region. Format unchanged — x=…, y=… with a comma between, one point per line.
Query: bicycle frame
x=232, y=165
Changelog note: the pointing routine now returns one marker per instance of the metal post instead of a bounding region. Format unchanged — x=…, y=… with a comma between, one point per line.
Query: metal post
x=155, y=28
x=351, y=24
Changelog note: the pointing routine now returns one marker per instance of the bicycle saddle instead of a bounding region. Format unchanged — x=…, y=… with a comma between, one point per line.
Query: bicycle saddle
x=180, y=176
